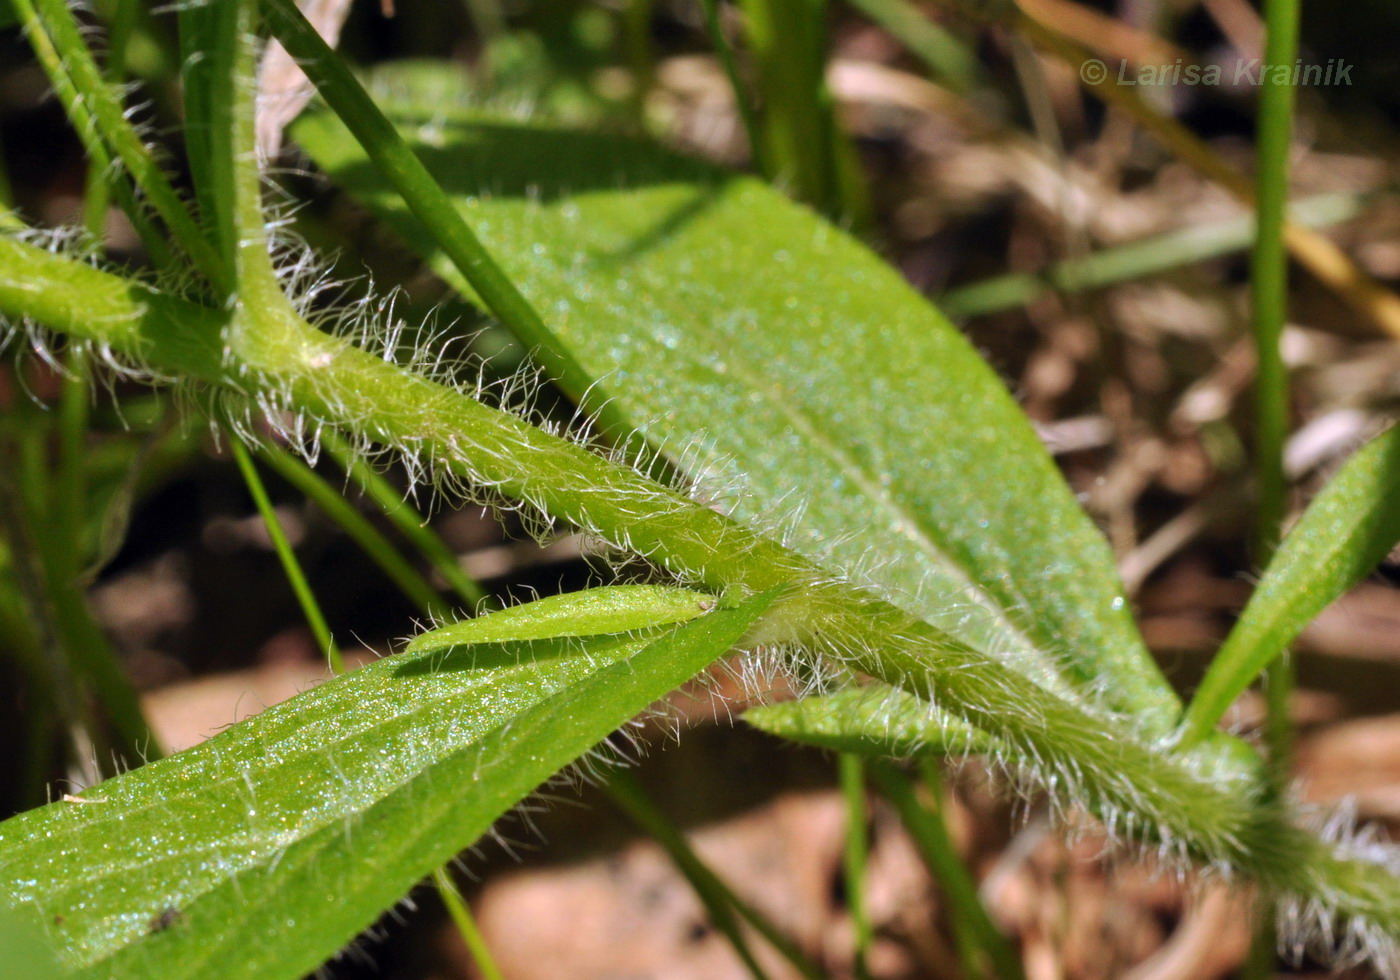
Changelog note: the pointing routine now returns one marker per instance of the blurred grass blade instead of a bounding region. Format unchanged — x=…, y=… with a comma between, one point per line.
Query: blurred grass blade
x=855, y=856
x=803, y=144
x=952, y=61
x=168, y=871
x=1346, y=530
x=714, y=26
x=929, y=831
x=1137, y=260
x=875, y=720
x=690, y=291
x=594, y=612
x=411, y=524
x=723, y=906
x=466, y=925
x=377, y=547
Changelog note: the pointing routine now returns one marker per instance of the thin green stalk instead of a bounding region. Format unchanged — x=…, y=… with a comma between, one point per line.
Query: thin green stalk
x=361, y=531
x=307, y=600
x=466, y=925
x=1269, y=290
x=855, y=856
x=393, y=157
x=82, y=657
x=640, y=56
x=742, y=100
x=411, y=524
x=98, y=116
x=1269, y=276
x=803, y=143
x=234, y=192
x=719, y=900
x=74, y=409
x=979, y=940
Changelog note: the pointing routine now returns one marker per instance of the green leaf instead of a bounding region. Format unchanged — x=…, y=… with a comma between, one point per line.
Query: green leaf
x=793, y=372
x=595, y=612
x=273, y=844
x=874, y=720
x=1346, y=530
x=26, y=953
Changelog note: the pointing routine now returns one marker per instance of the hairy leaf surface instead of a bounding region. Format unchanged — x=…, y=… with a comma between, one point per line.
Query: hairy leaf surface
x=309, y=819
x=794, y=373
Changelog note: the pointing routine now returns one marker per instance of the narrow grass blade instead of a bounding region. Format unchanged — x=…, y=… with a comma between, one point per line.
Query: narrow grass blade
x=360, y=530
x=295, y=576
x=411, y=524
x=855, y=856
x=466, y=925
x=723, y=906
x=951, y=60
x=1137, y=260
x=397, y=164
x=743, y=101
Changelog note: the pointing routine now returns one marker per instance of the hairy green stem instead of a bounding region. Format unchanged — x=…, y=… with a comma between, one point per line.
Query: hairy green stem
x=96, y=195
x=98, y=116
x=387, y=149
x=1138, y=789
